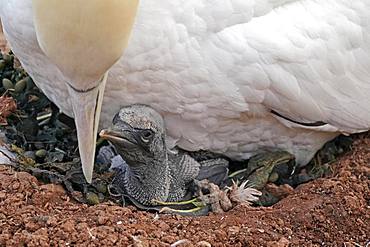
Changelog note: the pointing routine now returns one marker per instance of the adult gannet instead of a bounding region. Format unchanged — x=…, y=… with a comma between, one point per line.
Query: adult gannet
x=231, y=76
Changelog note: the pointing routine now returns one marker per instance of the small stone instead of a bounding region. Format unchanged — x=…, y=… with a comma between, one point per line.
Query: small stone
x=138, y=242
x=92, y=198
x=233, y=230
x=82, y=227
x=15, y=186
x=163, y=226
x=55, y=157
x=204, y=244
x=102, y=220
x=2, y=195
x=101, y=187
x=20, y=85
x=7, y=58
x=4, y=238
x=280, y=222
x=52, y=221
x=68, y=226
x=31, y=226
x=101, y=197
x=30, y=155
x=280, y=191
x=39, y=145
x=2, y=64
x=221, y=235
x=8, y=84
x=181, y=242
x=283, y=242
x=41, y=153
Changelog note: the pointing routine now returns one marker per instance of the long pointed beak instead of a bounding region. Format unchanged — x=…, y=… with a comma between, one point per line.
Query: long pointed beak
x=86, y=109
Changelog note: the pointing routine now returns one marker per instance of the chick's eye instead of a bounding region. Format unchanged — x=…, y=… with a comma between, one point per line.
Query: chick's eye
x=146, y=135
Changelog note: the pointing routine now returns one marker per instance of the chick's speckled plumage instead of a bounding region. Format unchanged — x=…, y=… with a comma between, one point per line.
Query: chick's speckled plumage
x=150, y=172
x=217, y=69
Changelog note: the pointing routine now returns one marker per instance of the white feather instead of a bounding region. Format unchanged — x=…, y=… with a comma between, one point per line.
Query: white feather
x=216, y=69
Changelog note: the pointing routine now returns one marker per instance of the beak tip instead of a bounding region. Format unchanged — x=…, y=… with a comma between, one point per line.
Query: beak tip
x=102, y=133
x=88, y=173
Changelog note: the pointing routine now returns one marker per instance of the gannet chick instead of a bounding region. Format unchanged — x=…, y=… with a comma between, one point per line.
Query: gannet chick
x=153, y=173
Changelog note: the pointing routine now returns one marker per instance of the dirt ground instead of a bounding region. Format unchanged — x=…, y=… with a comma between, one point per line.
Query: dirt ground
x=333, y=211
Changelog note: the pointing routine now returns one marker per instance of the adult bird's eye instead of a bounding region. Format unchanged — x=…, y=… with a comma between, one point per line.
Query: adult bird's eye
x=146, y=135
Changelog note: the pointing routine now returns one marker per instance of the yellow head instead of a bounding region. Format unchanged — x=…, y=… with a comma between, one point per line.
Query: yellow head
x=84, y=38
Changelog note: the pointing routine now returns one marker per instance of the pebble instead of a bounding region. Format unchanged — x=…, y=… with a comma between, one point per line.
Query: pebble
x=101, y=187
x=283, y=242
x=39, y=145
x=233, y=230
x=31, y=226
x=204, y=244
x=30, y=155
x=52, y=221
x=102, y=220
x=163, y=226
x=15, y=186
x=181, y=242
x=68, y=226
x=41, y=153
x=82, y=227
x=92, y=198
x=7, y=58
x=20, y=85
x=7, y=84
x=2, y=195
x=221, y=235
x=138, y=242
x=2, y=64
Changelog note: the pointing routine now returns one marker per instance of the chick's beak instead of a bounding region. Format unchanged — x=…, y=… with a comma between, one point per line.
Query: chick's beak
x=86, y=108
x=122, y=138
x=110, y=135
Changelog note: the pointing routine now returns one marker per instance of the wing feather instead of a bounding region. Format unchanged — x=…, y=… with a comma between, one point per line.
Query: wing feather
x=307, y=61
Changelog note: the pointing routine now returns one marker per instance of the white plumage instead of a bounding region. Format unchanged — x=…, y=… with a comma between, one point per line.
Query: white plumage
x=216, y=70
